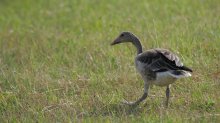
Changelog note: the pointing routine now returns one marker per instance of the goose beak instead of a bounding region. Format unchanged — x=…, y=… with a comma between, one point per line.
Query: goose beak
x=116, y=41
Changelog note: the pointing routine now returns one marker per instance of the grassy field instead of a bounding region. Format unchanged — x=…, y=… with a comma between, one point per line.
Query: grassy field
x=57, y=65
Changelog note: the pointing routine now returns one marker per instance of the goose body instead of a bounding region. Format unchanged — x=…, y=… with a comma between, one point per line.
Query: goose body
x=164, y=66
x=157, y=66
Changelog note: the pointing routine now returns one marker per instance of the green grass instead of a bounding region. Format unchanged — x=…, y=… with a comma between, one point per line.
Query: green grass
x=56, y=64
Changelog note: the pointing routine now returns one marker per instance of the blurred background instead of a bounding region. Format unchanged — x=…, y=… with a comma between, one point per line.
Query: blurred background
x=57, y=65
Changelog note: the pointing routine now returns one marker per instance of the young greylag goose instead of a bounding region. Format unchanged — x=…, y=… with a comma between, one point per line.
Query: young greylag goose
x=157, y=66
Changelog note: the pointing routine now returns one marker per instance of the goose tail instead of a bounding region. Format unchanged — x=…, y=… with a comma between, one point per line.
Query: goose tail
x=180, y=74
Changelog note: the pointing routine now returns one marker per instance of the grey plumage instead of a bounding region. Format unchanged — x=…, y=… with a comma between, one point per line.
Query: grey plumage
x=157, y=66
x=160, y=60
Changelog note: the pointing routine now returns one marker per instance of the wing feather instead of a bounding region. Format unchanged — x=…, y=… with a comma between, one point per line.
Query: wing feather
x=161, y=60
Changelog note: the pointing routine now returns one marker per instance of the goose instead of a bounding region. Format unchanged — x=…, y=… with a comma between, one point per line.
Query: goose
x=157, y=66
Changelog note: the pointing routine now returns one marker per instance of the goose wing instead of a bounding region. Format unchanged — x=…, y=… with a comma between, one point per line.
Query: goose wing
x=160, y=60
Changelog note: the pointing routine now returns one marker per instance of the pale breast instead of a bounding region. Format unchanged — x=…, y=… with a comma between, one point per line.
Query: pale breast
x=140, y=66
x=146, y=73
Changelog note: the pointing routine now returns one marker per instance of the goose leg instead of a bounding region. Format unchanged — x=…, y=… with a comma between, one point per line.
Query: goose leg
x=167, y=95
x=142, y=98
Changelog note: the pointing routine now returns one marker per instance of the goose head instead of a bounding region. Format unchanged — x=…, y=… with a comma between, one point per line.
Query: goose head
x=124, y=37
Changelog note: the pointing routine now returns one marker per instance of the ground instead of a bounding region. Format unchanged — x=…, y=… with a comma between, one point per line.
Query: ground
x=57, y=65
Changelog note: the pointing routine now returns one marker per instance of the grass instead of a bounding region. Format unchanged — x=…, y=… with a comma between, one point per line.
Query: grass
x=56, y=64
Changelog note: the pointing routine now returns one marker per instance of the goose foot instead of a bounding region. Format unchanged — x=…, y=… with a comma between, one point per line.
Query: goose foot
x=129, y=103
x=143, y=97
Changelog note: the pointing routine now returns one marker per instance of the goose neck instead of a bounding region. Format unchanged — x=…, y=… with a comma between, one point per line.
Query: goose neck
x=138, y=45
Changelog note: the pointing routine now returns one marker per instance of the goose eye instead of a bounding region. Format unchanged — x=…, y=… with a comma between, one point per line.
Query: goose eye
x=122, y=35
